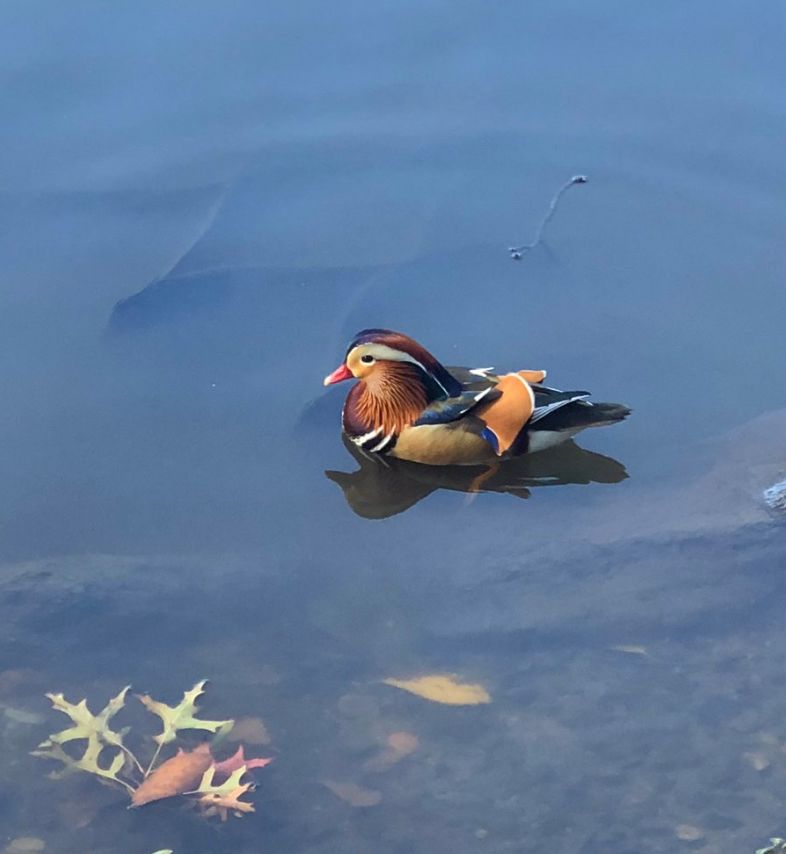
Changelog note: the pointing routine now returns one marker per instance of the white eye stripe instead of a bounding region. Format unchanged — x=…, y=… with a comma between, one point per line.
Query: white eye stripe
x=382, y=351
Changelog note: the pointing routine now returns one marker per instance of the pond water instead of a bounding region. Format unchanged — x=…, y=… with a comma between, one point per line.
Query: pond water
x=198, y=208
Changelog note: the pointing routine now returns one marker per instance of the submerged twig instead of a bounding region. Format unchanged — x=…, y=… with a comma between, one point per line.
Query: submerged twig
x=516, y=252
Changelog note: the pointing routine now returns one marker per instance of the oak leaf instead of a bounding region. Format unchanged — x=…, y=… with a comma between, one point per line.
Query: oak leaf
x=88, y=762
x=175, y=776
x=238, y=760
x=443, y=688
x=181, y=716
x=86, y=724
x=220, y=799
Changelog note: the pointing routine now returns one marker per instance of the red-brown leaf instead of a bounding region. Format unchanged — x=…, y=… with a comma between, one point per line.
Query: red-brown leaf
x=179, y=774
x=238, y=760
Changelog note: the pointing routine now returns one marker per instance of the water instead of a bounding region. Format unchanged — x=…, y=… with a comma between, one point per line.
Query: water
x=255, y=185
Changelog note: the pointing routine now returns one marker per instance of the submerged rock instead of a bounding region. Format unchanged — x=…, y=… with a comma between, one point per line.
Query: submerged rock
x=775, y=498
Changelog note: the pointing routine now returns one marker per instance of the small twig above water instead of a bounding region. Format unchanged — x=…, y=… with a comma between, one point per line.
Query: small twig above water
x=516, y=252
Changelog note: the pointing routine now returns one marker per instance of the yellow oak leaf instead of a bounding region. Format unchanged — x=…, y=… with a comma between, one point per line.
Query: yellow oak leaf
x=443, y=688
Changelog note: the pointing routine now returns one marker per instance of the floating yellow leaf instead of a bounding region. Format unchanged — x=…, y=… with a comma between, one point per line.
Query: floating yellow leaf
x=443, y=688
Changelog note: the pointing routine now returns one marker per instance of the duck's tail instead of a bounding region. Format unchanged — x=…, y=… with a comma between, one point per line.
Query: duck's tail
x=581, y=413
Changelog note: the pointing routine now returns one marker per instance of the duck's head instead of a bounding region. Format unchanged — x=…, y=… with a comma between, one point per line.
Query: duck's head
x=381, y=358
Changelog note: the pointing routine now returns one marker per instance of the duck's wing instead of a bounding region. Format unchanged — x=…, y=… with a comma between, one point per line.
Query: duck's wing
x=480, y=386
x=477, y=386
x=453, y=408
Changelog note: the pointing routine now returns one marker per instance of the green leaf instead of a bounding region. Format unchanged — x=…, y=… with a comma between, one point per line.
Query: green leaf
x=777, y=845
x=182, y=716
x=229, y=785
x=88, y=762
x=86, y=724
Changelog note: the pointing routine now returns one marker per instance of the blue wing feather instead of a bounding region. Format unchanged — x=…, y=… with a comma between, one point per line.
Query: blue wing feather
x=444, y=411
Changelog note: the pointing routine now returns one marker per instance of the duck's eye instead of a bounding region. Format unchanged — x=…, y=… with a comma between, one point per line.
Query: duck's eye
x=367, y=360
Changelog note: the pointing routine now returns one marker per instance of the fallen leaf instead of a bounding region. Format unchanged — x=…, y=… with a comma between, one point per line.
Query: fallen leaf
x=88, y=762
x=397, y=746
x=219, y=800
x=758, y=760
x=25, y=845
x=250, y=730
x=215, y=804
x=22, y=716
x=179, y=774
x=181, y=716
x=354, y=795
x=443, y=688
x=86, y=724
x=402, y=743
x=632, y=649
x=238, y=760
x=688, y=832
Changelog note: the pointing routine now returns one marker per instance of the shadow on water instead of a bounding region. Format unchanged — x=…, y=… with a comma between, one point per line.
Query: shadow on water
x=381, y=488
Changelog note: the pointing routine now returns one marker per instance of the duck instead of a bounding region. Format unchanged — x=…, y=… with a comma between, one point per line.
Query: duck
x=407, y=405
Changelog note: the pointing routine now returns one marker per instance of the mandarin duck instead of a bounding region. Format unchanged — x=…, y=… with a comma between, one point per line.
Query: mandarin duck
x=409, y=406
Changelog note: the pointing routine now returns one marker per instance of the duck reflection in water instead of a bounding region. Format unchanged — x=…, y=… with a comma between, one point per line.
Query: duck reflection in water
x=385, y=487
